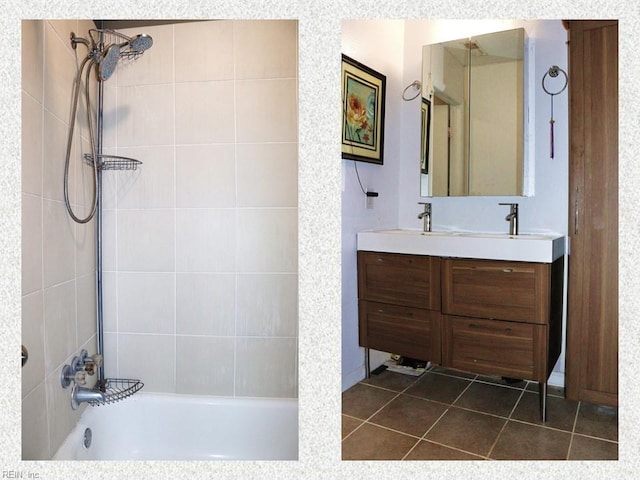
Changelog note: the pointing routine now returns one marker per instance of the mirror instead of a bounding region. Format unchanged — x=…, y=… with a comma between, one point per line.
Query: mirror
x=473, y=116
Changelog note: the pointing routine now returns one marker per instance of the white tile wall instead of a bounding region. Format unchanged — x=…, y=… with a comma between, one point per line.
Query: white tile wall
x=58, y=257
x=266, y=110
x=204, y=51
x=206, y=240
x=204, y=366
x=31, y=144
x=31, y=244
x=145, y=115
x=206, y=176
x=266, y=366
x=262, y=165
x=266, y=49
x=205, y=112
x=150, y=358
x=152, y=187
x=206, y=304
x=146, y=302
x=267, y=240
x=201, y=241
x=146, y=240
x=267, y=305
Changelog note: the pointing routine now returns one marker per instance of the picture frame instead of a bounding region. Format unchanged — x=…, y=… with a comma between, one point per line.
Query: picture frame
x=363, y=107
x=424, y=135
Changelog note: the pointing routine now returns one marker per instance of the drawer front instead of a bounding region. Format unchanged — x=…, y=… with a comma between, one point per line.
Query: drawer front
x=406, y=331
x=510, y=349
x=409, y=280
x=515, y=291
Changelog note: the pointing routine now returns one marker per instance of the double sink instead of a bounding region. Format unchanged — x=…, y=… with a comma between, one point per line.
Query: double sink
x=492, y=246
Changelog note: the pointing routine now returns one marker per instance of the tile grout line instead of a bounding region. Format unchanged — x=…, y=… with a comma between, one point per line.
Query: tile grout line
x=362, y=422
x=513, y=409
x=573, y=429
x=506, y=419
x=495, y=442
x=438, y=420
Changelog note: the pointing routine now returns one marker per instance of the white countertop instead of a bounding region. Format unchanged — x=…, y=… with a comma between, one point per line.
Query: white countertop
x=544, y=248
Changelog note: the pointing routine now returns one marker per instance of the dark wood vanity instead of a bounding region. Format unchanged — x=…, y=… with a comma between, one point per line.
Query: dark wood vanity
x=491, y=317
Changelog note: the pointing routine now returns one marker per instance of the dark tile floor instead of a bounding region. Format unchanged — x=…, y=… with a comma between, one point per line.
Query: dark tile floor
x=450, y=415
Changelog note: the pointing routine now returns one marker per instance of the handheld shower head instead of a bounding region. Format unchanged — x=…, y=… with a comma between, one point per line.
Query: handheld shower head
x=108, y=62
x=140, y=43
x=118, y=46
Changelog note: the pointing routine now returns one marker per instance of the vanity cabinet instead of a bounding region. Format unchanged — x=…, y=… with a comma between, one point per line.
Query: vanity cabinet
x=490, y=317
x=399, y=304
x=502, y=318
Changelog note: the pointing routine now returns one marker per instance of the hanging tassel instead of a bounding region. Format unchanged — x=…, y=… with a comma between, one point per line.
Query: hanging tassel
x=551, y=122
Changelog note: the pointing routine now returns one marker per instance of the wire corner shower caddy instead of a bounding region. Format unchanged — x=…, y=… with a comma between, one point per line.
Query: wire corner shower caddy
x=106, y=49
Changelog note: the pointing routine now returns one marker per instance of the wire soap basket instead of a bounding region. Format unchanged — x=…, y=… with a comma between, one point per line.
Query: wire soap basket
x=116, y=389
x=113, y=162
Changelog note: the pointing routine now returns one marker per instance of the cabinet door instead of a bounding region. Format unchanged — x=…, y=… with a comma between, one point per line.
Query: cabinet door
x=503, y=290
x=410, y=280
x=411, y=332
x=592, y=315
x=493, y=347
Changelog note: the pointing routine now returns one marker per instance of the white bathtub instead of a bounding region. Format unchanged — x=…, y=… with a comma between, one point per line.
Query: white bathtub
x=150, y=426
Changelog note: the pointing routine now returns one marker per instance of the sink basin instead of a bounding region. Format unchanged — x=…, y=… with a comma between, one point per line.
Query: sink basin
x=418, y=232
x=492, y=246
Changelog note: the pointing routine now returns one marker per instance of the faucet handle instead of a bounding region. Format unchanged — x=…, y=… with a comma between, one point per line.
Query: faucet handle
x=80, y=378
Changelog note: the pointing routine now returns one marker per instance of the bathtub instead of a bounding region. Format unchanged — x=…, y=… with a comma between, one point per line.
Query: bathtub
x=151, y=426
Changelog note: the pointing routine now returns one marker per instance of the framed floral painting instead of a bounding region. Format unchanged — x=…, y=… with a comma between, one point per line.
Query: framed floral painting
x=363, y=94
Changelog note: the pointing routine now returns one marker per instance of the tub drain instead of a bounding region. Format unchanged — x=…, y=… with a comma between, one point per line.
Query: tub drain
x=87, y=438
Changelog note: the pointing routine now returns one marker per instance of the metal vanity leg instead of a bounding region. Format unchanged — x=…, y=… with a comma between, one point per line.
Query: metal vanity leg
x=367, y=365
x=542, y=387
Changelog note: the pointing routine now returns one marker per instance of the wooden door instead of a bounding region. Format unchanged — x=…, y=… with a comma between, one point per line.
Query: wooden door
x=592, y=325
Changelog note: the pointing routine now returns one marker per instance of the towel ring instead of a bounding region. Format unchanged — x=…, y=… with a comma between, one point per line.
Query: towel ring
x=553, y=72
x=417, y=85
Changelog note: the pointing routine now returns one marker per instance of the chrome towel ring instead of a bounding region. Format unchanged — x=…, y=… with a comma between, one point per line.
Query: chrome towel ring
x=417, y=85
x=553, y=72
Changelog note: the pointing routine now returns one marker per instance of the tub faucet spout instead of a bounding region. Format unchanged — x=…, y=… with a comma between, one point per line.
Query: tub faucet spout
x=81, y=394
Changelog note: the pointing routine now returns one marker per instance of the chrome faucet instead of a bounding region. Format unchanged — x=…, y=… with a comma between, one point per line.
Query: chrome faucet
x=512, y=218
x=76, y=373
x=425, y=216
x=81, y=394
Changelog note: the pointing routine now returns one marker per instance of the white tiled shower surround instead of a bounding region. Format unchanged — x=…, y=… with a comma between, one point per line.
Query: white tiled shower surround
x=200, y=243
x=58, y=255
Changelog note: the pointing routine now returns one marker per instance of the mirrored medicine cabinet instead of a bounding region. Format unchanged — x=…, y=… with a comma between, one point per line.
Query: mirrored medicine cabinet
x=473, y=116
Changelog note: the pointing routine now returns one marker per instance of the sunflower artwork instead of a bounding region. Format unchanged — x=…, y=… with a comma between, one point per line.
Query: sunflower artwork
x=363, y=112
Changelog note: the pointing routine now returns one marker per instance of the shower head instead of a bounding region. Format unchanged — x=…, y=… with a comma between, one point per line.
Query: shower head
x=108, y=62
x=118, y=46
x=140, y=43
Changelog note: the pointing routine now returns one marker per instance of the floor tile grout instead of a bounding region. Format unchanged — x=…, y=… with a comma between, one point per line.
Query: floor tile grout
x=398, y=392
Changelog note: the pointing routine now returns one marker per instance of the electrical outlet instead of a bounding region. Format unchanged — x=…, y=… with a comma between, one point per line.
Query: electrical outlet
x=370, y=202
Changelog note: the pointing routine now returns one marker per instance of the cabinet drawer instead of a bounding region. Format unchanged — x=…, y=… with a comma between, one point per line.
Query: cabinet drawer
x=409, y=280
x=406, y=331
x=494, y=347
x=515, y=291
